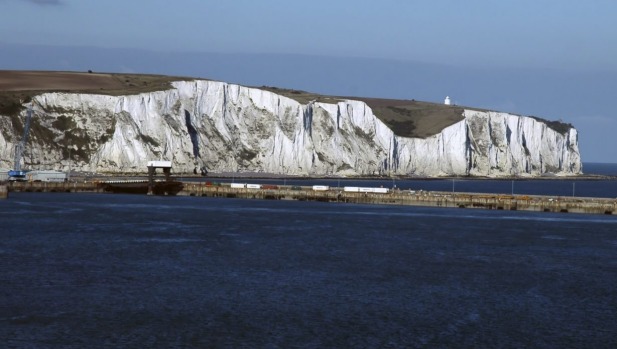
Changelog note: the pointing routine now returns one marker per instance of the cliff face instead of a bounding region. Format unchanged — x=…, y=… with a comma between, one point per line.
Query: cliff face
x=227, y=127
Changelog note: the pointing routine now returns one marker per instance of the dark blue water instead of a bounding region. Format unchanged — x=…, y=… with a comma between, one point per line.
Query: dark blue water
x=599, y=168
x=121, y=271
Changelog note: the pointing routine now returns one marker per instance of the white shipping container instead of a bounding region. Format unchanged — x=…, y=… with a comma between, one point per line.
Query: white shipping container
x=321, y=187
x=238, y=185
x=46, y=176
x=351, y=189
x=159, y=164
x=253, y=186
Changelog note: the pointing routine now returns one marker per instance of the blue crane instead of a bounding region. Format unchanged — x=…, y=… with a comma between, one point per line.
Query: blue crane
x=16, y=174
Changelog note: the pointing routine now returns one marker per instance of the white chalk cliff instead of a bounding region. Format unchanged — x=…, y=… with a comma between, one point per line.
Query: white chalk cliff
x=229, y=128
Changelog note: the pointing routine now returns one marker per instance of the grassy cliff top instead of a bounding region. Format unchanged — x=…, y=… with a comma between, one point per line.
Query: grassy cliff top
x=18, y=87
x=407, y=118
x=104, y=83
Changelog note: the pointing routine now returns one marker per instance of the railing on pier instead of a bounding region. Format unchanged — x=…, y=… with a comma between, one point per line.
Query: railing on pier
x=68, y=187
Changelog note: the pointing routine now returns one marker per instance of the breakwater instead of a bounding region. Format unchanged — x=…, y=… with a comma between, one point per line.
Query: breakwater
x=413, y=198
x=538, y=203
x=56, y=187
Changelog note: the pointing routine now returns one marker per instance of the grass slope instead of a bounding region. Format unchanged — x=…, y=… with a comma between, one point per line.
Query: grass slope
x=18, y=87
x=407, y=118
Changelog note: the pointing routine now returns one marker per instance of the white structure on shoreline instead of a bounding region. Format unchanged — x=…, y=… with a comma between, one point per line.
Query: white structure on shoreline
x=447, y=101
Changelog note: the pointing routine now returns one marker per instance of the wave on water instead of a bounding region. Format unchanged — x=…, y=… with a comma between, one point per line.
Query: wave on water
x=553, y=237
x=26, y=210
x=485, y=215
x=168, y=240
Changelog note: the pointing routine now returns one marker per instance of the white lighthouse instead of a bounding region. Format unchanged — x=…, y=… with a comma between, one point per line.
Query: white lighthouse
x=447, y=101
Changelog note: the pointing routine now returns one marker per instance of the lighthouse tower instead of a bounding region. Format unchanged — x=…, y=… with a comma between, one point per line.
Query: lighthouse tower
x=447, y=101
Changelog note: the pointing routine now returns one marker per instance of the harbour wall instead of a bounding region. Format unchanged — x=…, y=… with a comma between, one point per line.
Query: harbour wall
x=56, y=187
x=536, y=203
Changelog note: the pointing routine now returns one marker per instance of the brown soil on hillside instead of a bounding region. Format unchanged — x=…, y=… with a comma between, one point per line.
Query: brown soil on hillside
x=56, y=81
x=18, y=87
x=407, y=118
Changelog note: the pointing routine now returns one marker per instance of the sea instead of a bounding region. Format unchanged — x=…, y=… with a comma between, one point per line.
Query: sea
x=131, y=271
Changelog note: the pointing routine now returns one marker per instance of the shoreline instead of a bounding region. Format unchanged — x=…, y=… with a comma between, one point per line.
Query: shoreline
x=409, y=178
x=404, y=197
x=266, y=176
x=79, y=175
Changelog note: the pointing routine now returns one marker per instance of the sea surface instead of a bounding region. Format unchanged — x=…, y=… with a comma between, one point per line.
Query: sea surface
x=132, y=271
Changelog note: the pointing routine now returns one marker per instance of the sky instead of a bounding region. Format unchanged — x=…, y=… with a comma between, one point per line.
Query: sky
x=555, y=59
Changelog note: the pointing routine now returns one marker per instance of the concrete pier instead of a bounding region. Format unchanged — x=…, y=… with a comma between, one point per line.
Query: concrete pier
x=536, y=203
x=51, y=187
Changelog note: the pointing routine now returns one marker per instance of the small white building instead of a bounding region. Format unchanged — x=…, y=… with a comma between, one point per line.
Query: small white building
x=163, y=164
x=447, y=101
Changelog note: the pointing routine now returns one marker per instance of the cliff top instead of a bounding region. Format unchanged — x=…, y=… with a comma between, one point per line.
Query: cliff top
x=17, y=87
x=407, y=118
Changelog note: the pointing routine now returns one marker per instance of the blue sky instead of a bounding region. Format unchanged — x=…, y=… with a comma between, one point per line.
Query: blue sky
x=572, y=44
x=564, y=34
